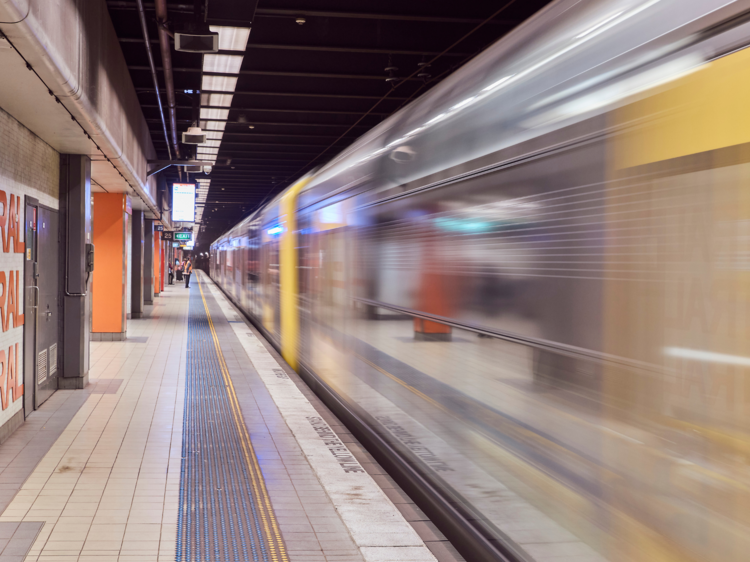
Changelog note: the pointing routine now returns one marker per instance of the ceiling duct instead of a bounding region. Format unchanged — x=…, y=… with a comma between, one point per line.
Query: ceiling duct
x=166, y=61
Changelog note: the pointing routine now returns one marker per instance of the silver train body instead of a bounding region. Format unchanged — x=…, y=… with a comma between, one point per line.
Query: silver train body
x=534, y=282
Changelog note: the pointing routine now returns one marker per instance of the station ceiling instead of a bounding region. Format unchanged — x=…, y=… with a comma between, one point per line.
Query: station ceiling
x=312, y=79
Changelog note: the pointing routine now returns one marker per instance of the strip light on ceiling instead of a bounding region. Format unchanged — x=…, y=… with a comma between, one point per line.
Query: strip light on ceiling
x=222, y=64
x=214, y=113
x=217, y=93
x=231, y=38
x=213, y=125
x=218, y=83
x=217, y=100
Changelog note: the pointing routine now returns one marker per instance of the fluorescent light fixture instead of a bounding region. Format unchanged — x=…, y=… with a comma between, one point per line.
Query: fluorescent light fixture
x=213, y=125
x=219, y=83
x=212, y=143
x=208, y=113
x=707, y=356
x=231, y=38
x=221, y=100
x=208, y=158
x=202, y=150
x=222, y=64
x=214, y=135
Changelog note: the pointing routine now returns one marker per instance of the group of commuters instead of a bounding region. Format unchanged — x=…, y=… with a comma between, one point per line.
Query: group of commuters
x=183, y=270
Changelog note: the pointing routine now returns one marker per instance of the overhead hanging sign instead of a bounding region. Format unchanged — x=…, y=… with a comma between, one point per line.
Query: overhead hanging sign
x=183, y=235
x=183, y=202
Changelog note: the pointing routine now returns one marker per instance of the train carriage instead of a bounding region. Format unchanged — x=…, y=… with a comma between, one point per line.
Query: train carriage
x=532, y=283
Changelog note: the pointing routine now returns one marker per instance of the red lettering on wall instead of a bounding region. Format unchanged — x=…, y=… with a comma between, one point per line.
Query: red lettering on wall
x=10, y=302
x=3, y=217
x=18, y=318
x=2, y=302
x=3, y=392
x=11, y=230
x=12, y=382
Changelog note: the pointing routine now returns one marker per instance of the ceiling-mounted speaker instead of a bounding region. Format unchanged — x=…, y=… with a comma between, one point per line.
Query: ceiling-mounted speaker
x=197, y=42
x=194, y=135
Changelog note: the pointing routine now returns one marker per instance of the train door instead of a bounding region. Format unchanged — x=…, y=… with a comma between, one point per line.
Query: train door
x=42, y=314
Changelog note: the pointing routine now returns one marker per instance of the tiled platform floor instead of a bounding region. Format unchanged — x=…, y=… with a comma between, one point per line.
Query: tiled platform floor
x=98, y=469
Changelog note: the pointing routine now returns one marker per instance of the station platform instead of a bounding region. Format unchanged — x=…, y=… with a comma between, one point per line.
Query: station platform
x=194, y=441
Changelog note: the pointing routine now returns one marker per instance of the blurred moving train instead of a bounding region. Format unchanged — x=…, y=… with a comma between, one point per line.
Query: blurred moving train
x=579, y=196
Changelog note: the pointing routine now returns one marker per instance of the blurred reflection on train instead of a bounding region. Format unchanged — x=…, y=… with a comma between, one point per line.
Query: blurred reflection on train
x=534, y=281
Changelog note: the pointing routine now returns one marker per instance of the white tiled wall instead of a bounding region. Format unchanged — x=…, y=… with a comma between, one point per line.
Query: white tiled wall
x=28, y=166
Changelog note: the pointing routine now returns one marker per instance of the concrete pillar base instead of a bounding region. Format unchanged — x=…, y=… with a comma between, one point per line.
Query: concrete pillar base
x=7, y=429
x=108, y=336
x=73, y=383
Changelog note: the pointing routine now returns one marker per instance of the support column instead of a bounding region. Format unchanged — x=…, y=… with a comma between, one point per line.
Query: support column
x=109, y=315
x=148, y=261
x=157, y=263
x=75, y=233
x=136, y=280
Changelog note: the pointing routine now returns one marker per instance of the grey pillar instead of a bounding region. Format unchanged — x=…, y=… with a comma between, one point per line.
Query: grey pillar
x=148, y=262
x=75, y=233
x=136, y=279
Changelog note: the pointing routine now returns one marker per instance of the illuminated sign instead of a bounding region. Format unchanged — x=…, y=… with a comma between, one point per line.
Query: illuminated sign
x=183, y=202
x=183, y=235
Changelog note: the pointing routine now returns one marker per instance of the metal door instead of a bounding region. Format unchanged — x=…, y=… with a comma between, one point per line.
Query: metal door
x=48, y=309
x=31, y=297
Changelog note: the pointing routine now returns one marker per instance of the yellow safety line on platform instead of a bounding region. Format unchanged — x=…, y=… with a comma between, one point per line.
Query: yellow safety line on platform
x=273, y=534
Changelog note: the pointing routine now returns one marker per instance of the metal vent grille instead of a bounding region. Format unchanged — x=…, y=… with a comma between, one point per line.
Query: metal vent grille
x=52, y=359
x=41, y=367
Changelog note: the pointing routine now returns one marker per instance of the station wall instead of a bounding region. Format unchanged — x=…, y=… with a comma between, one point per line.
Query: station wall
x=28, y=166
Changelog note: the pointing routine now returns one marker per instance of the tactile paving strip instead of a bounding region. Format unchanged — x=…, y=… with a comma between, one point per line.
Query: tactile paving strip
x=225, y=511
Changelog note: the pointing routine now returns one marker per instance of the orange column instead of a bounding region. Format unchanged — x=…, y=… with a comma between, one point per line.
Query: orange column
x=109, y=282
x=434, y=293
x=163, y=267
x=157, y=263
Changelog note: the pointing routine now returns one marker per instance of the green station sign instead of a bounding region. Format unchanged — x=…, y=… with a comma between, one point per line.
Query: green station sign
x=183, y=235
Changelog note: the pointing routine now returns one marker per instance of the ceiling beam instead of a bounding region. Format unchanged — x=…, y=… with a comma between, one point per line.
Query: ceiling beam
x=290, y=135
x=358, y=50
x=278, y=73
x=325, y=49
x=280, y=94
x=294, y=13
x=272, y=123
x=271, y=109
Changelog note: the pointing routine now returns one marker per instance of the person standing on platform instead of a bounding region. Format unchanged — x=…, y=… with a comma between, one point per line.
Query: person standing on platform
x=187, y=270
x=171, y=273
